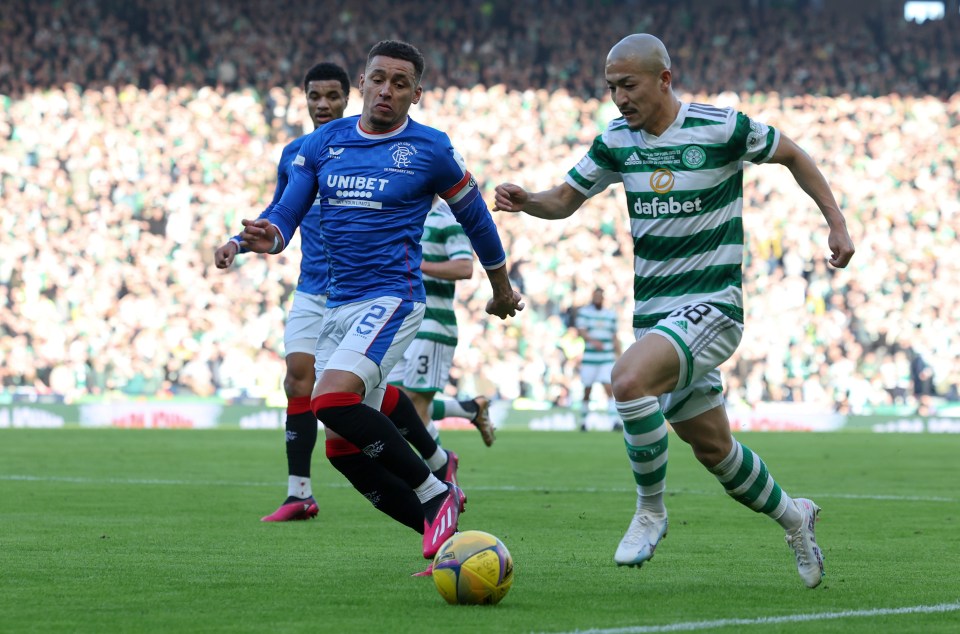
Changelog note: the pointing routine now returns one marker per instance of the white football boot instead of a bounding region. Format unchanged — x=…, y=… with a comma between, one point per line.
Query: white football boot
x=638, y=544
x=804, y=544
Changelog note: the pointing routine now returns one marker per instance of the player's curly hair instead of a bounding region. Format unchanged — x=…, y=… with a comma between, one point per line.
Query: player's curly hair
x=328, y=70
x=399, y=50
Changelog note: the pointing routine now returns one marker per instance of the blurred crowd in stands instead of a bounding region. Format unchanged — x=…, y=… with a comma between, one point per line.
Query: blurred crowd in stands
x=134, y=136
x=824, y=47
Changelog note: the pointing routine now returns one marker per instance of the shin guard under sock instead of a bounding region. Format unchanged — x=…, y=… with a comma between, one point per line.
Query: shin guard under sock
x=388, y=493
x=301, y=427
x=373, y=433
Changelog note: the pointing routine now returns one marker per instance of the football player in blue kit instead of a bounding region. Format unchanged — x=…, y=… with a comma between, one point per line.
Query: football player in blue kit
x=375, y=176
x=327, y=90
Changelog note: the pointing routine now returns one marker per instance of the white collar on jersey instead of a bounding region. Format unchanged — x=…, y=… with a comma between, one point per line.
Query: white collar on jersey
x=676, y=125
x=383, y=135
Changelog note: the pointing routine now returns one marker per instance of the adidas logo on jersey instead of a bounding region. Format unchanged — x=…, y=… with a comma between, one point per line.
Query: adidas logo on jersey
x=682, y=324
x=633, y=160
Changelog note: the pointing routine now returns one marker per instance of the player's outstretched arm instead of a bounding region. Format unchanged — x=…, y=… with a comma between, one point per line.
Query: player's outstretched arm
x=225, y=254
x=552, y=204
x=505, y=301
x=812, y=181
x=271, y=232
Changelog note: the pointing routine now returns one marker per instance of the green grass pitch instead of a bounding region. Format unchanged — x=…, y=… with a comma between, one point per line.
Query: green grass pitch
x=159, y=531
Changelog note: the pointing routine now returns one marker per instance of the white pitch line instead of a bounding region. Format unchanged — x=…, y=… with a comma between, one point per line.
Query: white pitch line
x=898, y=498
x=497, y=489
x=694, y=626
x=137, y=481
x=845, y=496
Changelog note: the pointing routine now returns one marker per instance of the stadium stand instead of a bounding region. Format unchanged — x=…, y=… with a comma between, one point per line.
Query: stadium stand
x=135, y=135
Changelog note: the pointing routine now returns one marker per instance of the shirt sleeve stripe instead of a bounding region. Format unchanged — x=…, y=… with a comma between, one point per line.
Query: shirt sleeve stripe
x=458, y=191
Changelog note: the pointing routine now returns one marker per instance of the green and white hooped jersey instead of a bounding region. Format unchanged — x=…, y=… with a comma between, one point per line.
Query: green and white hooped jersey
x=599, y=324
x=443, y=239
x=685, y=200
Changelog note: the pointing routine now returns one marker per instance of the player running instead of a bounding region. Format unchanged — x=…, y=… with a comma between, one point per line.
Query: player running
x=327, y=90
x=375, y=176
x=681, y=165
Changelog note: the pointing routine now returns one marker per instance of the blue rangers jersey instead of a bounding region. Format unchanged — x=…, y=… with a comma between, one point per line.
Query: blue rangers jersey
x=313, y=263
x=374, y=193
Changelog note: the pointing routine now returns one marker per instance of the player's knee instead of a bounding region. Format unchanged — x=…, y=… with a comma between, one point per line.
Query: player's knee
x=299, y=379
x=627, y=384
x=296, y=388
x=630, y=381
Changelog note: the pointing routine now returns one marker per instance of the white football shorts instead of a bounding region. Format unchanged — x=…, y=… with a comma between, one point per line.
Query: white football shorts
x=304, y=323
x=704, y=338
x=591, y=373
x=425, y=366
x=368, y=338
